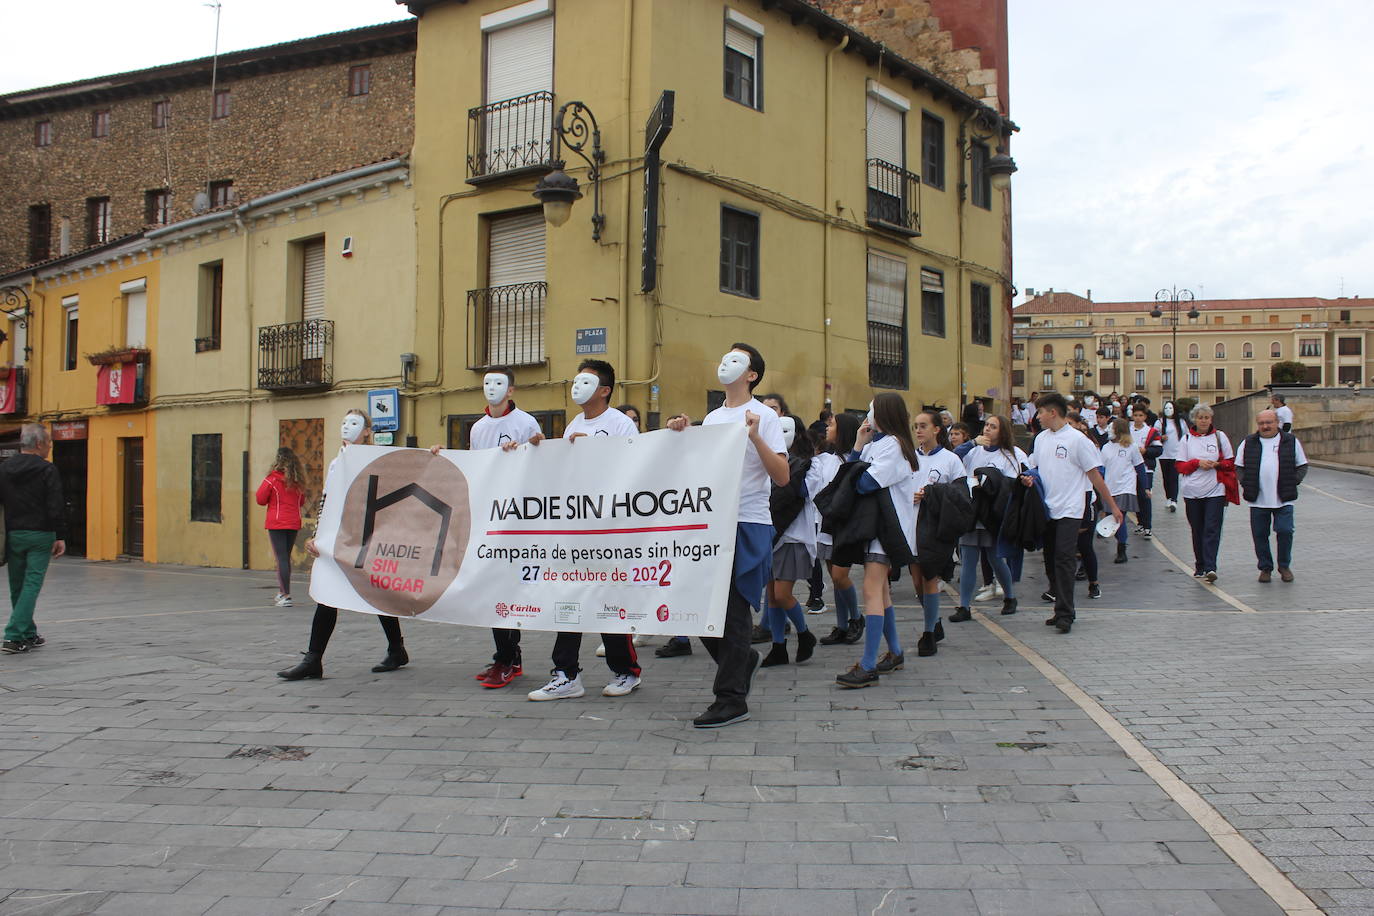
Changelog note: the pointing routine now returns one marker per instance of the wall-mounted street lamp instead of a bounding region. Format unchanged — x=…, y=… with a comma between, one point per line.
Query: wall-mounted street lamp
x=15, y=304
x=1000, y=168
x=574, y=128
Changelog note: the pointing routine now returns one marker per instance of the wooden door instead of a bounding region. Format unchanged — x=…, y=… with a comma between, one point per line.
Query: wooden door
x=133, y=497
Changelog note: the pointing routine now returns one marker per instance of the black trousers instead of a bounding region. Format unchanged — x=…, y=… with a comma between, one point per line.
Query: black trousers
x=815, y=583
x=1061, y=549
x=322, y=627
x=620, y=653
x=732, y=653
x=507, y=646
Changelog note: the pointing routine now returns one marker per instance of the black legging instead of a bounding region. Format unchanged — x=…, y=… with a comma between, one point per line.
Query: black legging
x=1170, y=474
x=283, y=541
x=322, y=627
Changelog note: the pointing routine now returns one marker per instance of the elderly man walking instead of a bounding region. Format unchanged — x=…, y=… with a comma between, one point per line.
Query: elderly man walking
x=37, y=531
x=1271, y=465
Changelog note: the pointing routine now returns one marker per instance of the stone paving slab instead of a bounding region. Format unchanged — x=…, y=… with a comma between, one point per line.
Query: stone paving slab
x=153, y=763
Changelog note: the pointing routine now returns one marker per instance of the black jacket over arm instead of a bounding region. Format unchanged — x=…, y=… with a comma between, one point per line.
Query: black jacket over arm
x=854, y=520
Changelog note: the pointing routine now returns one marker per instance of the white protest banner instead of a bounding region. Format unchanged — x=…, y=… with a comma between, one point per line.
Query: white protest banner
x=605, y=535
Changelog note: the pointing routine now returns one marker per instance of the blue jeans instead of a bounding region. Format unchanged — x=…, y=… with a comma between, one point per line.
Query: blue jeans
x=1282, y=521
x=968, y=573
x=1205, y=517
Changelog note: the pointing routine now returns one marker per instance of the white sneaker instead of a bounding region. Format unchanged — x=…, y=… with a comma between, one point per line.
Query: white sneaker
x=283, y=601
x=601, y=650
x=985, y=593
x=997, y=590
x=620, y=685
x=559, y=688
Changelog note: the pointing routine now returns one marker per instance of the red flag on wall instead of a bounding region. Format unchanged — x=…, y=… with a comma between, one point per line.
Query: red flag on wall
x=9, y=392
x=115, y=384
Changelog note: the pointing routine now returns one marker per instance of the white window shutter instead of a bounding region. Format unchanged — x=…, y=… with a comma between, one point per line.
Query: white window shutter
x=737, y=39
x=886, y=289
x=312, y=297
x=515, y=317
x=885, y=128
x=520, y=60
x=136, y=319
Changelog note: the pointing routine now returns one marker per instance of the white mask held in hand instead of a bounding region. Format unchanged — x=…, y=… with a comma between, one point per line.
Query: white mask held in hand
x=352, y=428
x=584, y=386
x=789, y=431
x=1168, y=410
x=872, y=423
x=495, y=386
x=732, y=365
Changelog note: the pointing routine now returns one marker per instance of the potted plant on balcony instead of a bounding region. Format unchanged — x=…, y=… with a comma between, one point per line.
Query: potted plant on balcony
x=112, y=355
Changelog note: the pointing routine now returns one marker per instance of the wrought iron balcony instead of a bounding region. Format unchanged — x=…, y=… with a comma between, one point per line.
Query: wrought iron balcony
x=506, y=325
x=886, y=355
x=296, y=356
x=894, y=198
x=510, y=136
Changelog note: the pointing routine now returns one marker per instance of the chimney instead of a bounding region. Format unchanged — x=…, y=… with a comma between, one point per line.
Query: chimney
x=1090, y=295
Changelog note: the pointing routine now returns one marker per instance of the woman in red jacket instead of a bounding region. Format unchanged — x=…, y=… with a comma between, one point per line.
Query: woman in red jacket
x=282, y=491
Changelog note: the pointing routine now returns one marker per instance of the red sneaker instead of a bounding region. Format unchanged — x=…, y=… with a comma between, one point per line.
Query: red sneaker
x=487, y=671
x=502, y=675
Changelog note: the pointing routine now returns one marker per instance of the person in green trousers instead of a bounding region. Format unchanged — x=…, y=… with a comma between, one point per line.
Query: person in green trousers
x=36, y=531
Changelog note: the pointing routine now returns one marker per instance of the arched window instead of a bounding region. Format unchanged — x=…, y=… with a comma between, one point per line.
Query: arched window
x=1275, y=351
x=1247, y=350
x=1221, y=351
x=1166, y=351
x=1139, y=351
x=1048, y=354
x=1078, y=351
x=1193, y=351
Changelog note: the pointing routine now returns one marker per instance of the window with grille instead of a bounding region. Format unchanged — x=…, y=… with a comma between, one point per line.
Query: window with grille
x=1047, y=353
x=980, y=306
x=932, y=150
x=739, y=252
x=1247, y=350
x=887, y=338
x=1139, y=351
x=1221, y=351
x=207, y=475
x=1194, y=352
x=743, y=58
x=360, y=79
x=932, y=302
x=1166, y=351
x=513, y=305
x=1275, y=350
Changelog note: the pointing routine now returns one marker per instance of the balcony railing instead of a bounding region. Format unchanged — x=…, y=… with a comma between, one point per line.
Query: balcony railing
x=296, y=356
x=506, y=325
x=510, y=136
x=894, y=198
x=886, y=355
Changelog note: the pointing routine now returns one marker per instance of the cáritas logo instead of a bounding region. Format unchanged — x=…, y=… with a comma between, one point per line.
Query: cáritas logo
x=404, y=530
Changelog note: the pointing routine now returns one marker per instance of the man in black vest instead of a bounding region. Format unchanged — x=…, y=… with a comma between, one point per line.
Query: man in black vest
x=1271, y=464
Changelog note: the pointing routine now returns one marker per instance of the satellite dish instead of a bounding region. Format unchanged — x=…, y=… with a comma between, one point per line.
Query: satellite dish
x=201, y=202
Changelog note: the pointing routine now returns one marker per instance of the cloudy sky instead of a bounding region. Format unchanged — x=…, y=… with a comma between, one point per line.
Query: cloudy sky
x=1220, y=145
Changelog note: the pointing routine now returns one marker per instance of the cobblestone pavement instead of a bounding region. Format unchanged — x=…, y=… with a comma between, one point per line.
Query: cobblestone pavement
x=152, y=763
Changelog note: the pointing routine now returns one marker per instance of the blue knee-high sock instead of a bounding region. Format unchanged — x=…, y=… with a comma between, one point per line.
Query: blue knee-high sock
x=930, y=604
x=797, y=616
x=873, y=638
x=777, y=623
x=851, y=604
x=842, y=607
x=894, y=645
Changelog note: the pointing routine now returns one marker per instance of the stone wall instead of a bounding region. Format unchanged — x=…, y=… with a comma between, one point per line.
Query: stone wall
x=284, y=128
x=1333, y=424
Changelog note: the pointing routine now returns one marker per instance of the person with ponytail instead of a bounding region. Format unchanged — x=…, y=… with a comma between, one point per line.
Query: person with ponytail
x=994, y=449
x=939, y=464
x=841, y=430
x=884, y=442
x=282, y=491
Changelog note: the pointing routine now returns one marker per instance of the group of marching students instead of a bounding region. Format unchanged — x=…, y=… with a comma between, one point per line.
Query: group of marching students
x=887, y=492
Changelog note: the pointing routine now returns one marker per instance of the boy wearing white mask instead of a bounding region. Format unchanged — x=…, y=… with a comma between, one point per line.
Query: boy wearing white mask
x=591, y=390
x=502, y=426
x=765, y=463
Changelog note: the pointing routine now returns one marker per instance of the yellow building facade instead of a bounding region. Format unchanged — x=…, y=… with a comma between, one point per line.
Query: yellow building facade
x=814, y=199
x=278, y=316
x=1072, y=344
x=84, y=333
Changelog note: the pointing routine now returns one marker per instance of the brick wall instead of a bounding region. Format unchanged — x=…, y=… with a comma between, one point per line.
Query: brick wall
x=284, y=128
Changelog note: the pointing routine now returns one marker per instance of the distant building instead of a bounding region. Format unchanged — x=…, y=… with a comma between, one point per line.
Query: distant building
x=1069, y=343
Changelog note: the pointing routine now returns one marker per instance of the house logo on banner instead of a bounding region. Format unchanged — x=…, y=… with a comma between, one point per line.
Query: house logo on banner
x=400, y=544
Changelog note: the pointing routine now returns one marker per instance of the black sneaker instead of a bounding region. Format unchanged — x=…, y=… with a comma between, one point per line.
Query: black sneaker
x=1048, y=596
x=815, y=605
x=925, y=646
x=776, y=656
x=1094, y=590
x=1063, y=624
x=14, y=646
x=857, y=677
x=35, y=641
x=890, y=663
x=1080, y=574
x=1008, y=606
x=718, y=715
x=960, y=615
x=836, y=636
x=939, y=631
x=761, y=634
x=673, y=648
x=806, y=645
x=856, y=630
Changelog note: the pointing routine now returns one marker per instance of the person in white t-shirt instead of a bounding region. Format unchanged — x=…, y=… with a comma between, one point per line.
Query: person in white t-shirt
x=1283, y=412
x=1123, y=464
x=1204, y=496
x=1067, y=465
x=794, y=547
x=1172, y=429
x=591, y=389
x=765, y=463
x=841, y=431
x=502, y=425
x=1271, y=466
x=994, y=450
x=939, y=464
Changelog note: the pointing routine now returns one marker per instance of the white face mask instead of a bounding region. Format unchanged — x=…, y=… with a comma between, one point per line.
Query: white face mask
x=495, y=386
x=789, y=431
x=352, y=428
x=1168, y=410
x=584, y=387
x=732, y=366
x=872, y=423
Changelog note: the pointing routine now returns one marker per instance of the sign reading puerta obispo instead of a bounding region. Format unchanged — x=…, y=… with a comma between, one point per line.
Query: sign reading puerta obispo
x=599, y=534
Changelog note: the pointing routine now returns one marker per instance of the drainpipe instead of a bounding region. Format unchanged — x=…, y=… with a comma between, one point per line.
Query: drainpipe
x=248, y=405
x=964, y=149
x=825, y=230
x=626, y=74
